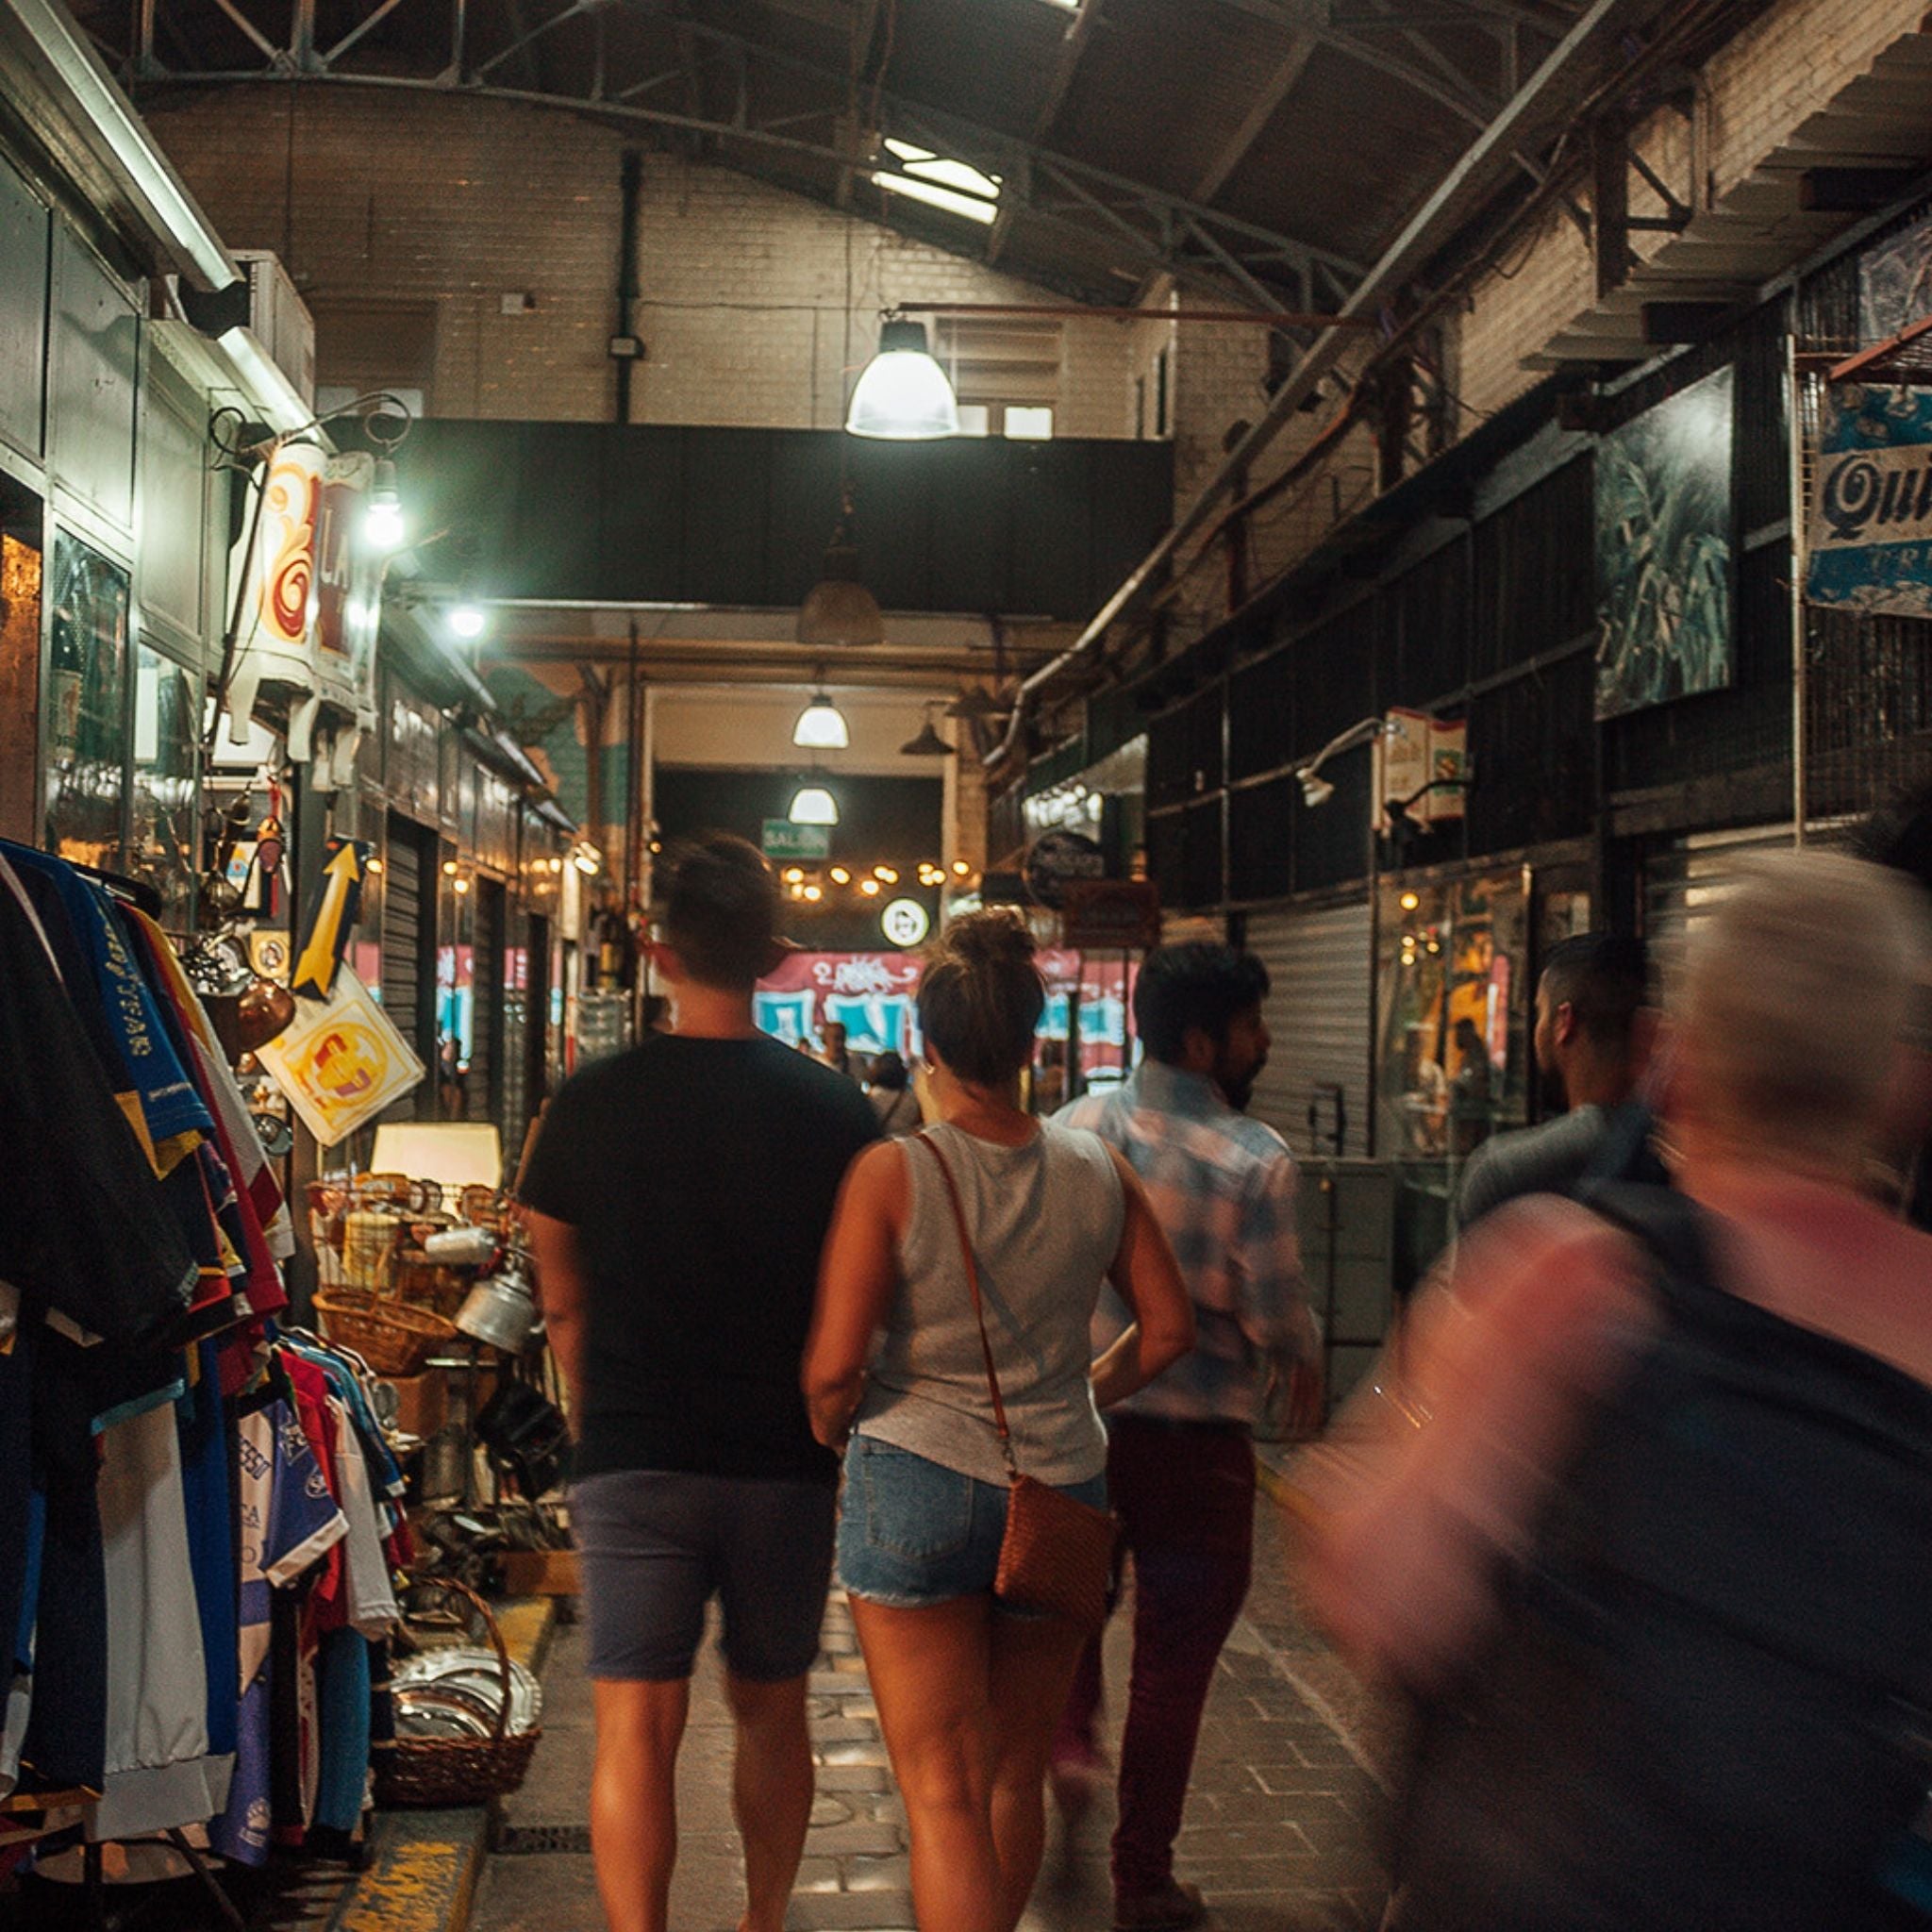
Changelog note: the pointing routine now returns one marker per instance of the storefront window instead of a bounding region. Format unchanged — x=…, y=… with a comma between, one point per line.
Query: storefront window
x=1452, y=1013
x=1084, y=1030
x=86, y=705
x=161, y=841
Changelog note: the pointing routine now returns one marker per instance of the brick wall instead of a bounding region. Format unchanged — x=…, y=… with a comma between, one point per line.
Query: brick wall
x=372, y=197
x=1783, y=68
x=1754, y=93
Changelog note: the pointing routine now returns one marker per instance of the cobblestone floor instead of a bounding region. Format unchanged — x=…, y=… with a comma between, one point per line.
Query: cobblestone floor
x=1278, y=1832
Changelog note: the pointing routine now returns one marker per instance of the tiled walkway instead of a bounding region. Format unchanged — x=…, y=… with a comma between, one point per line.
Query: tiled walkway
x=1277, y=1834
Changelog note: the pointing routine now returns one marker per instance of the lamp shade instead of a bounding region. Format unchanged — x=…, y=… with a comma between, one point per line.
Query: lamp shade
x=812, y=805
x=928, y=745
x=821, y=726
x=902, y=395
x=839, y=609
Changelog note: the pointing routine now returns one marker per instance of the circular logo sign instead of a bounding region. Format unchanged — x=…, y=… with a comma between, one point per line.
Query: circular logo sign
x=1058, y=857
x=905, y=921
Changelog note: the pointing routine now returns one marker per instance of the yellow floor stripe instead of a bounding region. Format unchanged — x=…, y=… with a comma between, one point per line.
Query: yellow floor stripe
x=424, y=1865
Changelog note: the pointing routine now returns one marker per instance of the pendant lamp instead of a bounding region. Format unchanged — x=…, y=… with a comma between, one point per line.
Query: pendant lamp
x=928, y=745
x=839, y=611
x=812, y=805
x=822, y=725
x=902, y=395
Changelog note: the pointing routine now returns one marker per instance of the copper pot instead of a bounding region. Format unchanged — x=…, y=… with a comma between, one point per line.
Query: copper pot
x=266, y=1010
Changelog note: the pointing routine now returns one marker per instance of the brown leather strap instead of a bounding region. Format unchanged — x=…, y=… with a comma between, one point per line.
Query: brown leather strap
x=992, y=1380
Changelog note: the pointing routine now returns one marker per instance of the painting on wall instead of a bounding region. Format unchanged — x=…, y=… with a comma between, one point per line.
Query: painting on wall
x=1895, y=284
x=1664, y=551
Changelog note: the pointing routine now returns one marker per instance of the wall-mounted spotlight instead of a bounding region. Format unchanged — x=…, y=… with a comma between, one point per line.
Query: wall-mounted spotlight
x=1318, y=791
x=467, y=619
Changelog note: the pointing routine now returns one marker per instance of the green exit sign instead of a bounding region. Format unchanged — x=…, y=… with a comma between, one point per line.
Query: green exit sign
x=781, y=839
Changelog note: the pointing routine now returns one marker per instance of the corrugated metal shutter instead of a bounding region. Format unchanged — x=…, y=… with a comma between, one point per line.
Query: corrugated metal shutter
x=1318, y=1011
x=480, y=1093
x=1683, y=883
x=402, y=939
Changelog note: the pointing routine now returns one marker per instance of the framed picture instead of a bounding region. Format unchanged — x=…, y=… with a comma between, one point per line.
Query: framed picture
x=1665, y=557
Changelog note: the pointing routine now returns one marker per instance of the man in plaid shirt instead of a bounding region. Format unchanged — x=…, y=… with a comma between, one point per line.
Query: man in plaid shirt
x=1181, y=1463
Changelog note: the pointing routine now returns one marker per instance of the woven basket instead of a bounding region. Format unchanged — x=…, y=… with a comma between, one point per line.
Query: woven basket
x=392, y=1336
x=457, y=1771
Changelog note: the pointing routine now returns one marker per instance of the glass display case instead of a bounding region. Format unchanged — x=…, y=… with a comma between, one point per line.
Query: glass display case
x=161, y=847
x=85, y=706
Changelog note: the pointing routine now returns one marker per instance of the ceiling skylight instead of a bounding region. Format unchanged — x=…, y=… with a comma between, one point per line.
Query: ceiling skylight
x=940, y=181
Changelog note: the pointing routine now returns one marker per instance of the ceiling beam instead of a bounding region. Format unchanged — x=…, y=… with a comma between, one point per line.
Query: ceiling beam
x=1302, y=49
x=1427, y=230
x=996, y=152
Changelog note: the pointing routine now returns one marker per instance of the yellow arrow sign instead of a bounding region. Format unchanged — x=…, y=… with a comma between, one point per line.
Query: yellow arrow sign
x=337, y=906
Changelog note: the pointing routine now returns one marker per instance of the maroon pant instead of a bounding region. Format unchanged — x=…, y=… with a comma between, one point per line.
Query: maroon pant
x=1185, y=1495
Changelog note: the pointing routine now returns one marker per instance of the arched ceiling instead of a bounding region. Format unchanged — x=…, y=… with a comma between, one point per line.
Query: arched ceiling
x=1263, y=150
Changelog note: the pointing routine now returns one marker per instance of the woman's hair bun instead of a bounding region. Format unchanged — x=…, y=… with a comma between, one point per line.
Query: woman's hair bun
x=996, y=936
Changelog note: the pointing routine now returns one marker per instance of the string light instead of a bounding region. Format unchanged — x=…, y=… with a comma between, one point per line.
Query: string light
x=840, y=876
x=869, y=888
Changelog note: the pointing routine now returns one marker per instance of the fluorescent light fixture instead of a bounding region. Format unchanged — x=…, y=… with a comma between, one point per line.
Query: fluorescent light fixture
x=936, y=194
x=902, y=396
x=821, y=726
x=812, y=805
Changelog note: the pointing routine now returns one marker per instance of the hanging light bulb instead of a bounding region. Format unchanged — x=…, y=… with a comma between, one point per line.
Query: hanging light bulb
x=812, y=805
x=822, y=725
x=902, y=395
x=382, y=522
x=467, y=620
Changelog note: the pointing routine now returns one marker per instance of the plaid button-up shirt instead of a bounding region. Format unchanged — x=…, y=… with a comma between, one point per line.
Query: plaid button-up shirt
x=1222, y=1187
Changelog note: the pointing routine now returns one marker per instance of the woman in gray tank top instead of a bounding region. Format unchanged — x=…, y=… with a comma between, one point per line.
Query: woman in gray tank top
x=968, y=1693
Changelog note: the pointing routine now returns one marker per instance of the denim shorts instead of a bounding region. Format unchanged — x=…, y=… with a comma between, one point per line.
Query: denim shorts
x=657, y=1545
x=912, y=1532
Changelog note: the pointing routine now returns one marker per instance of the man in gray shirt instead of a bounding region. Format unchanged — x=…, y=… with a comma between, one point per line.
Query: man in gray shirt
x=1586, y=1004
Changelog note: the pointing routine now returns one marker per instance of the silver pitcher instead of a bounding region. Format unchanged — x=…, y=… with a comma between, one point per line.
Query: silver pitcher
x=501, y=1309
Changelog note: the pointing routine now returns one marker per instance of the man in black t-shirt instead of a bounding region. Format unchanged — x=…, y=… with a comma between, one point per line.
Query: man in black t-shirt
x=679, y=1195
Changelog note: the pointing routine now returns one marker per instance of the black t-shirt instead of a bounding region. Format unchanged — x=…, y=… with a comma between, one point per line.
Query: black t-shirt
x=700, y=1177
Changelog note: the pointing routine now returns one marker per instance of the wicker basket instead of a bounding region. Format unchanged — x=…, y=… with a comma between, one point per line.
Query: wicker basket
x=394, y=1336
x=457, y=1771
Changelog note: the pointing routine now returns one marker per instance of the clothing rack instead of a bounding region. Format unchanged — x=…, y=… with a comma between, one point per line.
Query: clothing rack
x=95, y=1891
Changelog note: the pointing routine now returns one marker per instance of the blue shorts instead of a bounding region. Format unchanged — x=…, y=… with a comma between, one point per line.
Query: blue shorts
x=912, y=1532
x=657, y=1546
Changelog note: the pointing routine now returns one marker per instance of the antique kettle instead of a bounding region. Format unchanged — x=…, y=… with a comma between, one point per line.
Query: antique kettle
x=501, y=1309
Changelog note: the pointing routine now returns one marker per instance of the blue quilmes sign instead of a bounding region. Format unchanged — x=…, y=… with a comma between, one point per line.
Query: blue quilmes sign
x=1870, y=532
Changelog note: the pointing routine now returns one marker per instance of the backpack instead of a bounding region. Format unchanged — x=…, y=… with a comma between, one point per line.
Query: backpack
x=1707, y=1704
